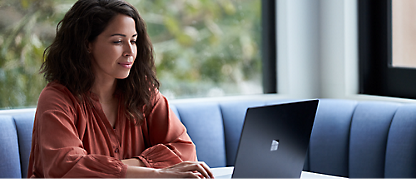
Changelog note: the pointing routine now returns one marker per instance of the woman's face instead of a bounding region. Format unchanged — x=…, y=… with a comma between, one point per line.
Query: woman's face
x=115, y=50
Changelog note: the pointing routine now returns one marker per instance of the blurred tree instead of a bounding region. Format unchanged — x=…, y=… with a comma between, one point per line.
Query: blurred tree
x=205, y=46
x=202, y=47
x=25, y=31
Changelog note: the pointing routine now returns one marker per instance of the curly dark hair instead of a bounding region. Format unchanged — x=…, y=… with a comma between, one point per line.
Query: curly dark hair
x=68, y=62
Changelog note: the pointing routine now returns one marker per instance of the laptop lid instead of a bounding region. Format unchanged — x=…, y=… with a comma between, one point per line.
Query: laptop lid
x=274, y=140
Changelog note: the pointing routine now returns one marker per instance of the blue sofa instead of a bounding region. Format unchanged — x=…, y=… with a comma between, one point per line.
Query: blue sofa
x=356, y=139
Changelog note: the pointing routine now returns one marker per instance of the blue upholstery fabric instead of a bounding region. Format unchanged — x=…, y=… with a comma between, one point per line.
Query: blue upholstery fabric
x=24, y=126
x=233, y=114
x=205, y=126
x=9, y=149
x=328, y=147
x=369, y=130
x=401, y=146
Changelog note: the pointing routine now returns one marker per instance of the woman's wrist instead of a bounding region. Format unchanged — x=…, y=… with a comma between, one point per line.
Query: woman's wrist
x=142, y=172
x=133, y=162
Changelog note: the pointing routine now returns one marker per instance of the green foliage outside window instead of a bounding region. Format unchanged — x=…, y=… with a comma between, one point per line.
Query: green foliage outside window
x=202, y=47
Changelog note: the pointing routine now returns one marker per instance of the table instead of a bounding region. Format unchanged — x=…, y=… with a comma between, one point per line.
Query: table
x=225, y=172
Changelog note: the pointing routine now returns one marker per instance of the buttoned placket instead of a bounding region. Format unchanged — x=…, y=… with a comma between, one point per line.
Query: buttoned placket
x=115, y=138
x=115, y=142
x=118, y=144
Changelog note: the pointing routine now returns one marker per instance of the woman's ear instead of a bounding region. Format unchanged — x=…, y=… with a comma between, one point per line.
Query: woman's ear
x=89, y=46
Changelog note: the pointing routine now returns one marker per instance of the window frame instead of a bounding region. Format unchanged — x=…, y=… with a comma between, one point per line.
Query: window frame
x=269, y=46
x=376, y=73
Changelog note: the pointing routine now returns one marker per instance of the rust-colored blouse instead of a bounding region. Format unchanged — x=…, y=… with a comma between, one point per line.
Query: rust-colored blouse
x=76, y=140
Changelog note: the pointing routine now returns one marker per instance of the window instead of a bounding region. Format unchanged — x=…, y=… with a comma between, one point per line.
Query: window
x=205, y=48
x=386, y=63
x=202, y=48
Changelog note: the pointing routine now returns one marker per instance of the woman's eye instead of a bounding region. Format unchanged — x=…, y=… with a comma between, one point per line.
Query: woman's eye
x=117, y=42
x=133, y=42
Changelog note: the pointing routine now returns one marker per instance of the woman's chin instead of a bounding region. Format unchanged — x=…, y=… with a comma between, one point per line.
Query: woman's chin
x=123, y=76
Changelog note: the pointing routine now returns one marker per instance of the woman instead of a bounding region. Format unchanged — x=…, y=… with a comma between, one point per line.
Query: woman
x=101, y=114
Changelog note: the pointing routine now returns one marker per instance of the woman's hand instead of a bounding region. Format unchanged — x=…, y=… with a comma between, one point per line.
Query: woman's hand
x=186, y=169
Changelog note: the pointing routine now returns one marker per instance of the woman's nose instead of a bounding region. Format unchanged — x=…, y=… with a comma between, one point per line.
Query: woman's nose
x=129, y=49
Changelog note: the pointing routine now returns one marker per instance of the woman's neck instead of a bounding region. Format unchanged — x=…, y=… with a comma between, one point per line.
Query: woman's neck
x=104, y=90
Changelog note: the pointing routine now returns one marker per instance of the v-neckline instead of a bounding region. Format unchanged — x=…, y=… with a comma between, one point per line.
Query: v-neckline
x=97, y=105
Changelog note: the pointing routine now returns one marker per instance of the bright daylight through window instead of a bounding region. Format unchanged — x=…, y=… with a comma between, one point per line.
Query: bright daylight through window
x=202, y=48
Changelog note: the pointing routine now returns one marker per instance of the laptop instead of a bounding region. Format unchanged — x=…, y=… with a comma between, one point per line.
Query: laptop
x=274, y=141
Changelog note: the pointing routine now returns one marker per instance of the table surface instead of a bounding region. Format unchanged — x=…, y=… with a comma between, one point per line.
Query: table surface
x=227, y=171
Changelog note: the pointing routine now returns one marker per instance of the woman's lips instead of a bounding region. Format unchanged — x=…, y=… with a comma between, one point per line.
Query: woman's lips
x=126, y=64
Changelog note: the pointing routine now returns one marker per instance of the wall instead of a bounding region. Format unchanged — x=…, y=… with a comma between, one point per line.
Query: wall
x=298, y=64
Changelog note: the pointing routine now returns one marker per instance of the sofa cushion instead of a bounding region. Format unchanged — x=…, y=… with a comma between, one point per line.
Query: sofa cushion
x=368, y=139
x=24, y=126
x=9, y=149
x=328, y=147
x=401, y=145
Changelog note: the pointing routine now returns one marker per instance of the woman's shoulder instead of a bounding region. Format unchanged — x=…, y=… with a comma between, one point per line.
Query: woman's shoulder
x=56, y=95
x=157, y=98
x=55, y=89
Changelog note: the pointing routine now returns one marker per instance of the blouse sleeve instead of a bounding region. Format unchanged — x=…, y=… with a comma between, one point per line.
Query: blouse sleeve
x=58, y=150
x=168, y=138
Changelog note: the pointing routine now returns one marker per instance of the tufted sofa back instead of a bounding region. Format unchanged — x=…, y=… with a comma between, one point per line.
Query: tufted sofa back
x=15, y=143
x=364, y=139
x=367, y=139
x=350, y=138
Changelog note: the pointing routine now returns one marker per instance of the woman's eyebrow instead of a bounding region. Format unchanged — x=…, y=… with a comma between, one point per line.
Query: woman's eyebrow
x=123, y=35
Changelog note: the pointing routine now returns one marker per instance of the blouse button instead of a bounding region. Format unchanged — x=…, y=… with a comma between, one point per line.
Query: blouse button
x=116, y=151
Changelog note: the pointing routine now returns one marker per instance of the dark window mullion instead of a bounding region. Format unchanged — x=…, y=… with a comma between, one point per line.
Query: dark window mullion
x=269, y=46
